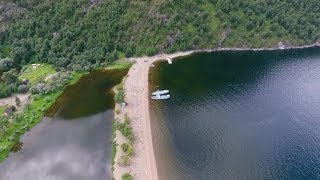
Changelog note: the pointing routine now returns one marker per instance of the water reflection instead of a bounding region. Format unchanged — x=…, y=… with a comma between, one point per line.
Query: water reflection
x=63, y=150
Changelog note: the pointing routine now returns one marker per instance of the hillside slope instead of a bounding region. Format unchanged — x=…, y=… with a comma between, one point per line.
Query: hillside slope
x=80, y=34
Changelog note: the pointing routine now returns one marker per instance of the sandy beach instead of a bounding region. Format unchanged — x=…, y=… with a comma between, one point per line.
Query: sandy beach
x=143, y=164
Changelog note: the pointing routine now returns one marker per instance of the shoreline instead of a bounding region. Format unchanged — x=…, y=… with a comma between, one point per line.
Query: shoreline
x=185, y=53
x=136, y=87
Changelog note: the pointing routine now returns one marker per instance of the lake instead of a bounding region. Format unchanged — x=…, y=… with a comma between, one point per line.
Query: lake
x=74, y=142
x=238, y=115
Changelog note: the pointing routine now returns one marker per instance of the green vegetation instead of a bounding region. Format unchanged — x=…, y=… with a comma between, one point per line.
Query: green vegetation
x=37, y=72
x=128, y=148
x=127, y=176
x=120, y=94
x=82, y=35
x=9, y=83
x=119, y=65
x=126, y=130
x=127, y=119
x=114, y=144
x=124, y=160
x=130, y=151
x=125, y=147
x=6, y=64
x=17, y=100
x=12, y=81
x=124, y=127
x=2, y=109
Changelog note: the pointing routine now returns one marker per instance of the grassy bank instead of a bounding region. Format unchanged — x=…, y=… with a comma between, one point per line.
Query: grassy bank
x=119, y=65
x=36, y=74
x=31, y=116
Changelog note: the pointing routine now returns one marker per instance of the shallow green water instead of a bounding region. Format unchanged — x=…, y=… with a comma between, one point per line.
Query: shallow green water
x=238, y=115
x=76, y=142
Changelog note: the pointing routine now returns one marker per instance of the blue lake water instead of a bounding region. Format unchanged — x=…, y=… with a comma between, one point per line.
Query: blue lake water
x=238, y=115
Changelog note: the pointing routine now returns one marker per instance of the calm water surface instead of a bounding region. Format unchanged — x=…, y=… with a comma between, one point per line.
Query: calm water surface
x=74, y=144
x=239, y=115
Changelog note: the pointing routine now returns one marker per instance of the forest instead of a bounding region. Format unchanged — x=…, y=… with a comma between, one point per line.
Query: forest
x=83, y=34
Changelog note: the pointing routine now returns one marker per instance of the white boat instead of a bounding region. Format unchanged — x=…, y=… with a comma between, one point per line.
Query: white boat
x=160, y=97
x=160, y=92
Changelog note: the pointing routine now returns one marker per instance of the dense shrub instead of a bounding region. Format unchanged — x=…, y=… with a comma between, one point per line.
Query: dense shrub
x=5, y=90
x=10, y=77
x=23, y=88
x=6, y=64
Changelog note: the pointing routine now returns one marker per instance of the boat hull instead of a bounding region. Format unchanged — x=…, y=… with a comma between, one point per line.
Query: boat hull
x=160, y=97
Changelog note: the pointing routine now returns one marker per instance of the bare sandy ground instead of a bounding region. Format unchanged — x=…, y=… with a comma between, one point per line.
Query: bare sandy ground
x=24, y=98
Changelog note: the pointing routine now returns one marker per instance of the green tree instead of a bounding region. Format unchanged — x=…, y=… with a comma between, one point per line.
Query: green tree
x=10, y=77
x=6, y=64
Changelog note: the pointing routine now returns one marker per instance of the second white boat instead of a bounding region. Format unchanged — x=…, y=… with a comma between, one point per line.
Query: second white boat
x=160, y=92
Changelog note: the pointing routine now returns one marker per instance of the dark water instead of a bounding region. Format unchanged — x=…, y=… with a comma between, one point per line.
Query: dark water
x=239, y=115
x=75, y=144
x=93, y=94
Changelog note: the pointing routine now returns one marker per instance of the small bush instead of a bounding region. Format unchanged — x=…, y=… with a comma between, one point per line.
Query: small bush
x=13, y=108
x=130, y=150
x=17, y=100
x=124, y=160
x=127, y=176
x=22, y=88
x=125, y=129
x=125, y=147
x=131, y=137
x=114, y=152
x=119, y=96
x=47, y=99
x=117, y=111
x=126, y=119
